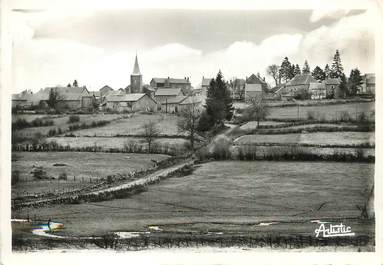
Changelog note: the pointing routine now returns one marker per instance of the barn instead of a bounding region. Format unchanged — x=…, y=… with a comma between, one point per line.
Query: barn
x=130, y=102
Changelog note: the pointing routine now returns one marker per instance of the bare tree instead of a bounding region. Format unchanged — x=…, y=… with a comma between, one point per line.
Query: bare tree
x=256, y=111
x=151, y=131
x=273, y=71
x=188, y=121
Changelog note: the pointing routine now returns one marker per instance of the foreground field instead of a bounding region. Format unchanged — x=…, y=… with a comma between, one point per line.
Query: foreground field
x=319, y=138
x=230, y=197
x=79, y=166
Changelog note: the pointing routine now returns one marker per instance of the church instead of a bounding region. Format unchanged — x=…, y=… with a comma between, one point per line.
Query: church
x=135, y=80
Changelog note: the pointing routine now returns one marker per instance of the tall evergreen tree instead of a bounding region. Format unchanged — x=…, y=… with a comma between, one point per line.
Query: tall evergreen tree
x=285, y=70
x=306, y=68
x=297, y=70
x=219, y=104
x=327, y=71
x=75, y=83
x=336, y=67
x=343, y=87
x=354, y=81
x=318, y=74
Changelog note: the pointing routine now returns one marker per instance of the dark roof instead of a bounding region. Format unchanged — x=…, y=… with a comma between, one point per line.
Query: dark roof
x=168, y=91
x=171, y=80
x=125, y=97
x=304, y=79
x=106, y=87
x=253, y=79
x=65, y=90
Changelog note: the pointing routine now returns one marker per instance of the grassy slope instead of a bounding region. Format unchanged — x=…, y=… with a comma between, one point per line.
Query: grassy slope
x=234, y=193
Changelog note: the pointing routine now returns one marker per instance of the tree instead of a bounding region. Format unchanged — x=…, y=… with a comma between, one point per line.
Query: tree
x=256, y=111
x=306, y=68
x=297, y=70
x=151, y=131
x=75, y=83
x=318, y=74
x=188, y=121
x=273, y=71
x=336, y=67
x=54, y=98
x=219, y=104
x=286, y=70
x=354, y=81
x=343, y=86
x=327, y=71
x=69, y=85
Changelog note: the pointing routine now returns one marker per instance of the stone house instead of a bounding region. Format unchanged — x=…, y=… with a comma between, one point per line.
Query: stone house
x=317, y=90
x=130, y=102
x=332, y=87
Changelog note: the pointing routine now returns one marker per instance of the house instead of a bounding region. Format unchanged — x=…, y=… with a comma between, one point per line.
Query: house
x=238, y=88
x=317, y=90
x=368, y=84
x=205, y=86
x=182, y=83
x=130, y=102
x=179, y=103
x=253, y=79
x=22, y=100
x=253, y=91
x=298, y=85
x=332, y=87
x=105, y=90
x=165, y=94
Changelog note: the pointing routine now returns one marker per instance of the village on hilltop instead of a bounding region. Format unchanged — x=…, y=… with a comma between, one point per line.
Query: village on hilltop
x=171, y=95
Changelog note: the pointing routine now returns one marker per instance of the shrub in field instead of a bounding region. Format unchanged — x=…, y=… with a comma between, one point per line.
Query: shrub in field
x=39, y=173
x=63, y=176
x=221, y=147
x=73, y=118
x=310, y=115
x=344, y=116
x=15, y=177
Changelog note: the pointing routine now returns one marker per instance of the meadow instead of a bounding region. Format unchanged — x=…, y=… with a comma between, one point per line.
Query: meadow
x=230, y=196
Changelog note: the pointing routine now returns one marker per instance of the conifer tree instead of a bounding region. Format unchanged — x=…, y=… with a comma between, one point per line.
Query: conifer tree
x=318, y=74
x=297, y=70
x=306, y=68
x=327, y=71
x=286, y=70
x=355, y=80
x=336, y=67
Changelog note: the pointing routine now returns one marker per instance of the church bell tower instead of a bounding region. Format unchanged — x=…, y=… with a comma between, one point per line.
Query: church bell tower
x=136, y=78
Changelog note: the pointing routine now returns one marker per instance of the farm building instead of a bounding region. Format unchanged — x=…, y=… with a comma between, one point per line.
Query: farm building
x=332, y=87
x=253, y=79
x=22, y=100
x=317, y=90
x=368, y=84
x=130, y=102
x=179, y=103
x=105, y=90
x=253, y=91
x=166, y=83
x=165, y=94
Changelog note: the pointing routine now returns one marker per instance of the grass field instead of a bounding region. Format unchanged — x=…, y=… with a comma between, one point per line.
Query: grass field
x=328, y=112
x=111, y=142
x=318, y=138
x=167, y=125
x=228, y=196
x=60, y=121
x=83, y=165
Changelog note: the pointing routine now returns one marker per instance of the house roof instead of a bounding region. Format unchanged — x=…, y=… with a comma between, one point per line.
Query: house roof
x=168, y=91
x=136, y=68
x=125, y=97
x=253, y=79
x=95, y=93
x=191, y=100
x=175, y=100
x=317, y=86
x=106, y=87
x=332, y=81
x=253, y=87
x=206, y=81
x=303, y=79
x=171, y=80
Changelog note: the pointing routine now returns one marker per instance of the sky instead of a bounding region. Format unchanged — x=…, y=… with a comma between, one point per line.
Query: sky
x=55, y=43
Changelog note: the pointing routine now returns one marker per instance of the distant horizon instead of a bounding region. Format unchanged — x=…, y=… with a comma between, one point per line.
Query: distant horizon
x=98, y=48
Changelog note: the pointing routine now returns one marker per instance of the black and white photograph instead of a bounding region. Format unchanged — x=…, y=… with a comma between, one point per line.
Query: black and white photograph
x=226, y=129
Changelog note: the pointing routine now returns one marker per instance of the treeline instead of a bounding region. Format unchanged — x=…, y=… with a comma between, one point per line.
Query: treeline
x=38, y=122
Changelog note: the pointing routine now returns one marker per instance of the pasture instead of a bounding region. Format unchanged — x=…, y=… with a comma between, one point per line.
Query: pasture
x=79, y=167
x=230, y=196
x=167, y=125
x=325, y=112
x=316, y=138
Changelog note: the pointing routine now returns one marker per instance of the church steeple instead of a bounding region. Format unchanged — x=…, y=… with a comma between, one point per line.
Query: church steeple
x=136, y=69
x=136, y=78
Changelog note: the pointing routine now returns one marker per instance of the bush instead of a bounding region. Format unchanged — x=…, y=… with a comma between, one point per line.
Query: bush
x=310, y=115
x=73, y=118
x=221, y=147
x=15, y=177
x=63, y=176
x=39, y=173
x=344, y=116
